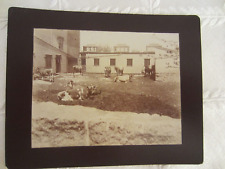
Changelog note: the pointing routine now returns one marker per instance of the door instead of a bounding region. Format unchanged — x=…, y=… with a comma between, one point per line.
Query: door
x=58, y=63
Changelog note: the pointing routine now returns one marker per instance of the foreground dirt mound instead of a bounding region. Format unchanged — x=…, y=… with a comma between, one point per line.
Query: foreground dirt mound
x=101, y=133
x=59, y=126
x=53, y=133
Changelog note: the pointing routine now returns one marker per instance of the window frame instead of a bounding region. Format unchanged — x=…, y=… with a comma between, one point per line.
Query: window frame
x=98, y=62
x=130, y=65
x=112, y=59
x=148, y=63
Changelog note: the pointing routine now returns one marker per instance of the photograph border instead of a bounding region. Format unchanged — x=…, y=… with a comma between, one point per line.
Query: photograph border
x=19, y=154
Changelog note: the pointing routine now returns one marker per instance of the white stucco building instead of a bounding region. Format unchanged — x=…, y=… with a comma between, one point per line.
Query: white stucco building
x=131, y=62
x=95, y=60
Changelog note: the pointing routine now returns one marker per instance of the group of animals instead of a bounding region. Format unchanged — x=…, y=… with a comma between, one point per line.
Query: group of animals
x=119, y=71
x=78, y=92
x=43, y=74
x=47, y=74
x=147, y=71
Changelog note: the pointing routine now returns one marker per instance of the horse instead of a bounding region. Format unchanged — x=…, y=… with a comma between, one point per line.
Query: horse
x=77, y=69
x=119, y=71
x=107, y=71
x=147, y=71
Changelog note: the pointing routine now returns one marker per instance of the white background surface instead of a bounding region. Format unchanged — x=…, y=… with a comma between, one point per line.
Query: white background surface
x=212, y=14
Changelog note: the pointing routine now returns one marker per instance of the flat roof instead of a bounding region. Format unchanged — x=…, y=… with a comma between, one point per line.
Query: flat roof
x=117, y=52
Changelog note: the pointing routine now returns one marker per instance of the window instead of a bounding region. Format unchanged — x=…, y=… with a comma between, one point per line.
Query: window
x=60, y=42
x=112, y=62
x=84, y=48
x=48, y=61
x=147, y=62
x=96, y=62
x=83, y=61
x=129, y=62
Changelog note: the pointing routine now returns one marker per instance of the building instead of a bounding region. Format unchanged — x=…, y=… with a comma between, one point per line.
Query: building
x=60, y=51
x=166, y=57
x=121, y=48
x=56, y=49
x=132, y=62
x=160, y=51
x=95, y=60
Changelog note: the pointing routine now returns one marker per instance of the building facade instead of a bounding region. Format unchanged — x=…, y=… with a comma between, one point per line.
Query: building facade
x=95, y=60
x=130, y=62
x=56, y=49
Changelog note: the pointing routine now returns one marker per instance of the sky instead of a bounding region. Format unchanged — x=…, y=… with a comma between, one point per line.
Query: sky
x=136, y=40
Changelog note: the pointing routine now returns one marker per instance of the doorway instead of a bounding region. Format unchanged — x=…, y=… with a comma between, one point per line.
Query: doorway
x=58, y=63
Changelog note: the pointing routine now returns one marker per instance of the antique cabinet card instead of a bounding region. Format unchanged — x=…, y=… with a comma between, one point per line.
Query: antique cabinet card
x=97, y=89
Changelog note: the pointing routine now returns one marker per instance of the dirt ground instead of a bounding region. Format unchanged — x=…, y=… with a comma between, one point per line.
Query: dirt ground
x=142, y=95
x=57, y=126
x=138, y=112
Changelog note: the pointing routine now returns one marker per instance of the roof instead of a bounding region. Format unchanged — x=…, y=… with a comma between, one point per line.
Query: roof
x=118, y=52
x=121, y=45
x=91, y=45
x=53, y=47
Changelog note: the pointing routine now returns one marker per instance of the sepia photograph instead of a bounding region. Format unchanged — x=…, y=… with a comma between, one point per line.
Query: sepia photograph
x=105, y=88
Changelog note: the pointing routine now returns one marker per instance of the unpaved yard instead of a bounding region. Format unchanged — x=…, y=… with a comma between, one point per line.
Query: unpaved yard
x=141, y=112
x=142, y=95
